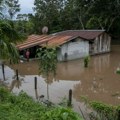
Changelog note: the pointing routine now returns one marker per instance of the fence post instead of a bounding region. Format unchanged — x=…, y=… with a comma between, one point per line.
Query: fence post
x=35, y=81
x=70, y=98
x=17, y=75
x=3, y=71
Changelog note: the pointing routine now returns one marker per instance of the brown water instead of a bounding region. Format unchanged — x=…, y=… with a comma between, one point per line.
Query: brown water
x=98, y=82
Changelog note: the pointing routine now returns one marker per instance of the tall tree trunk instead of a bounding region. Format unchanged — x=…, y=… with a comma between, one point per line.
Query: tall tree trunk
x=80, y=19
x=100, y=24
x=111, y=23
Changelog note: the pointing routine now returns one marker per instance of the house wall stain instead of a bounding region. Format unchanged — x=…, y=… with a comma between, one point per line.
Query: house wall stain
x=74, y=49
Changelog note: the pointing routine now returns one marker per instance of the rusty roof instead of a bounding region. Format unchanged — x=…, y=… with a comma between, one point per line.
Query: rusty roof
x=58, y=38
x=65, y=36
x=85, y=34
x=34, y=40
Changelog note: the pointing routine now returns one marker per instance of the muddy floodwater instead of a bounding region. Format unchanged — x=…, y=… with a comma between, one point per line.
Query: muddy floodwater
x=98, y=82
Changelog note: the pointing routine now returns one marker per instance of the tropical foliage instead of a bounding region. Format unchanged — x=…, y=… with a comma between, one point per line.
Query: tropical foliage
x=9, y=36
x=8, y=8
x=61, y=15
x=101, y=111
x=105, y=112
x=47, y=64
x=47, y=60
x=23, y=107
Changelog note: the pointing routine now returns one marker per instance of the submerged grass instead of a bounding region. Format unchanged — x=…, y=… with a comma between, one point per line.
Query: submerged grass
x=23, y=107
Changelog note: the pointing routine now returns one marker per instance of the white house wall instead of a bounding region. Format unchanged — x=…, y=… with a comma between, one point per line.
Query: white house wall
x=74, y=50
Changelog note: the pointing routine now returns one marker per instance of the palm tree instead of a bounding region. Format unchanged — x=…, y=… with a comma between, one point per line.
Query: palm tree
x=8, y=38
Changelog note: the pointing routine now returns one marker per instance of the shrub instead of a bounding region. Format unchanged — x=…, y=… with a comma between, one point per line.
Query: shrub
x=23, y=107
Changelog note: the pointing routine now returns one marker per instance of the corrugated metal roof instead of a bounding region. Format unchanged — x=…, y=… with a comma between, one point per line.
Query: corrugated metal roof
x=86, y=34
x=58, y=38
x=34, y=40
x=64, y=36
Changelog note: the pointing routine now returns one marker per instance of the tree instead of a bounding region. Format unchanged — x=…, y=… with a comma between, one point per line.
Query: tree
x=47, y=62
x=2, y=8
x=68, y=16
x=105, y=12
x=8, y=38
x=47, y=13
x=13, y=7
x=24, y=24
x=61, y=15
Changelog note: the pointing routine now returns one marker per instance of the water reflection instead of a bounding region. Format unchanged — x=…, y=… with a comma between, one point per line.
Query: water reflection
x=15, y=83
x=99, y=81
x=101, y=63
x=9, y=73
x=75, y=69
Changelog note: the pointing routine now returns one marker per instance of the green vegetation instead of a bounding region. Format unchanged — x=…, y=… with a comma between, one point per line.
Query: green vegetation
x=102, y=111
x=23, y=107
x=8, y=34
x=8, y=8
x=13, y=7
x=86, y=61
x=47, y=60
x=61, y=15
x=118, y=71
x=47, y=63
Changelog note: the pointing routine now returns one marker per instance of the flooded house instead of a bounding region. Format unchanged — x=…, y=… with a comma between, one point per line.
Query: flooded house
x=71, y=44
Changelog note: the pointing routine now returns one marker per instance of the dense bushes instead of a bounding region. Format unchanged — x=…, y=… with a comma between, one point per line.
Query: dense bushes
x=22, y=107
x=101, y=111
x=104, y=111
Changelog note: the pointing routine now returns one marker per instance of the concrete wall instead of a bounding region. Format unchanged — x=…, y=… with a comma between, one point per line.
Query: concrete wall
x=80, y=48
x=74, y=49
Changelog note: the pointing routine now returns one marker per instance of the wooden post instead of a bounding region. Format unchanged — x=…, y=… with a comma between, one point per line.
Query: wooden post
x=35, y=80
x=3, y=71
x=17, y=75
x=70, y=98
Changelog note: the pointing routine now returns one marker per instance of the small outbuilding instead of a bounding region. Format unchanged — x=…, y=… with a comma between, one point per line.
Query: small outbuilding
x=71, y=44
